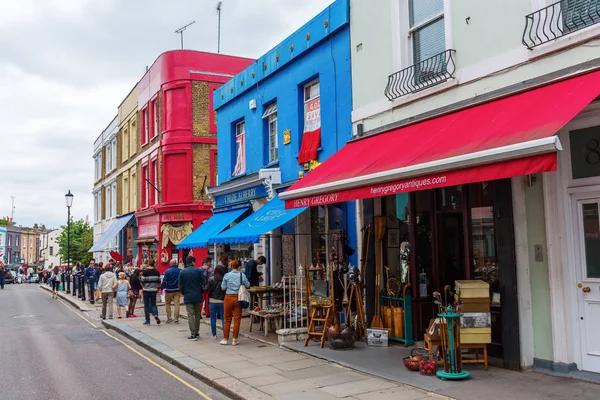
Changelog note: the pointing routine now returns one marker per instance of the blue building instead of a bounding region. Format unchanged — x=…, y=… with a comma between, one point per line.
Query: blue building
x=277, y=120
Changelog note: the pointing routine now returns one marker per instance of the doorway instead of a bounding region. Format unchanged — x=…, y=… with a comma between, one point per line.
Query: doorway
x=586, y=232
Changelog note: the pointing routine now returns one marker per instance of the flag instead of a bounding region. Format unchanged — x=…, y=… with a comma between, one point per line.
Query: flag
x=240, y=161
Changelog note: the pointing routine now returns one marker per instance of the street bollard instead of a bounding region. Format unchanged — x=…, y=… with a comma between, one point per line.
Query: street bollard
x=62, y=281
x=82, y=288
x=91, y=289
x=68, y=282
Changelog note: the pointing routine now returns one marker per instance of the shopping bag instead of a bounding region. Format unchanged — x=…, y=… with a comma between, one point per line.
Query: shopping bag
x=243, y=295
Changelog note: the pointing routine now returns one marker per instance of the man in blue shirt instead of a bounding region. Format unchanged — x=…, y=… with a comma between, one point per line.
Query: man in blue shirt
x=171, y=284
x=94, y=273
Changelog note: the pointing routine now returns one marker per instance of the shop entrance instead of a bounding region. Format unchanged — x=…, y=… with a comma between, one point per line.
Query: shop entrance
x=586, y=216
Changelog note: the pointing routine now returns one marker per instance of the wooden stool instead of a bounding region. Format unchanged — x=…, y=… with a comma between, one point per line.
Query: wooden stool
x=476, y=347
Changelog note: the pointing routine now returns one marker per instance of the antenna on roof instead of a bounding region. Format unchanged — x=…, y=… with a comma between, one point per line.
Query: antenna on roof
x=219, y=28
x=180, y=31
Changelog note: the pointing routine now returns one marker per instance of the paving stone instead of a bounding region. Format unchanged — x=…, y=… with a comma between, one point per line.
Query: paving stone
x=288, y=387
x=174, y=354
x=209, y=373
x=256, y=371
x=190, y=363
x=354, y=388
x=336, y=379
x=312, y=372
x=395, y=393
x=298, y=364
x=242, y=389
x=312, y=394
x=233, y=368
x=265, y=380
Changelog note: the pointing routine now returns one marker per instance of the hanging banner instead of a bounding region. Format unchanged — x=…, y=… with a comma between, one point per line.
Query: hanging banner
x=175, y=234
x=240, y=161
x=311, y=138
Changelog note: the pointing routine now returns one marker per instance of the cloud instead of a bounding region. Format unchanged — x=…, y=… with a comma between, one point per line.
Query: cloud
x=66, y=65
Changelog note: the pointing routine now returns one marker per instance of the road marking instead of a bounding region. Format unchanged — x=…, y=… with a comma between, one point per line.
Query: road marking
x=189, y=385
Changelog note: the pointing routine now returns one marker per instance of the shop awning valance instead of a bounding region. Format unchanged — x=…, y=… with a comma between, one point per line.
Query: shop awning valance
x=210, y=228
x=111, y=232
x=271, y=216
x=509, y=137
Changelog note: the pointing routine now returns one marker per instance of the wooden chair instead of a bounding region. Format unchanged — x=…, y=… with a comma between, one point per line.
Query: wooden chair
x=432, y=342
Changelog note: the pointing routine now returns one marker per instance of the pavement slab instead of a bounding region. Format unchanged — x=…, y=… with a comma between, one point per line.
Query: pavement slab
x=354, y=388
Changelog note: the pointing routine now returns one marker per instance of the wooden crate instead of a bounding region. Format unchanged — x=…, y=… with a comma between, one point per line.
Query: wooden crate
x=472, y=289
x=474, y=305
x=476, y=335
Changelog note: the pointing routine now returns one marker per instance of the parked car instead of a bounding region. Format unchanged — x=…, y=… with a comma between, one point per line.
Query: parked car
x=10, y=273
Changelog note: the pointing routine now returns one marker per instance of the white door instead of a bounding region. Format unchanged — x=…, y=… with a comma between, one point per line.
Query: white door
x=586, y=208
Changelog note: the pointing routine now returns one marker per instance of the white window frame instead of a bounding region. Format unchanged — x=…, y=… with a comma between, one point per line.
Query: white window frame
x=114, y=152
x=113, y=204
x=155, y=114
x=155, y=183
x=108, y=158
x=133, y=184
x=133, y=137
x=8, y=240
x=17, y=241
x=107, y=205
x=271, y=116
x=126, y=204
x=146, y=179
x=146, y=116
x=412, y=30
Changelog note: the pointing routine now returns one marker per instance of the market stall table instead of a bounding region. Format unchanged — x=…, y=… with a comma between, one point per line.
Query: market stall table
x=261, y=293
x=266, y=318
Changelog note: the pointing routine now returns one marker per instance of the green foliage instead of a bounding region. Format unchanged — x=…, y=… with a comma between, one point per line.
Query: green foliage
x=82, y=239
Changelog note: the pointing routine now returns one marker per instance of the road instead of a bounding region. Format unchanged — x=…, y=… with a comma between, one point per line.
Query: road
x=48, y=350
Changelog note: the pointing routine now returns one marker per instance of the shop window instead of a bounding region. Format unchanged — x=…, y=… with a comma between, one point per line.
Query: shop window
x=270, y=116
x=239, y=166
x=311, y=137
x=585, y=152
x=483, y=236
x=397, y=239
x=424, y=243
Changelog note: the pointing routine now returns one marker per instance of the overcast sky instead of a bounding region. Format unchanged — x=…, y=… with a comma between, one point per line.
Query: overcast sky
x=65, y=66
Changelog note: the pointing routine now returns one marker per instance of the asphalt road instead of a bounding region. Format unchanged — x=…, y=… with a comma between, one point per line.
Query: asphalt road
x=48, y=351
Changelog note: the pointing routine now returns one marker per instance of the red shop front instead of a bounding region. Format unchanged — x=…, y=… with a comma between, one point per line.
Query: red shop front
x=162, y=228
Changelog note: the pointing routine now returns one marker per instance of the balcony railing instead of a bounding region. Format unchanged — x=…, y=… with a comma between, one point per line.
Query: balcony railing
x=422, y=75
x=559, y=19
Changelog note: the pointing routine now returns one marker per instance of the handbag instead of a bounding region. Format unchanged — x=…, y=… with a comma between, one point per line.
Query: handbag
x=243, y=295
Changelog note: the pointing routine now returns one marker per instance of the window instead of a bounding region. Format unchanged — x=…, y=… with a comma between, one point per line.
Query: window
x=152, y=185
x=145, y=179
x=51, y=250
x=9, y=239
x=134, y=190
x=426, y=18
x=577, y=14
x=311, y=137
x=98, y=166
x=155, y=118
x=95, y=207
x=108, y=158
x=113, y=202
x=125, y=195
x=114, y=152
x=30, y=242
x=108, y=200
x=155, y=183
x=271, y=116
x=17, y=241
x=145, y=126
x=133, y=137
x=125, y=144
x=240, y=149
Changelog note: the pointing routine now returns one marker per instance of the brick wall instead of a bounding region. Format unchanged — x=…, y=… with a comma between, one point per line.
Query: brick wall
x=200, y=107
x=201, y=170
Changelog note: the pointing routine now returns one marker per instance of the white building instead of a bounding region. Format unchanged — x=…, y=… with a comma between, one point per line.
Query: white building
x=105, y=187
x=49, y=247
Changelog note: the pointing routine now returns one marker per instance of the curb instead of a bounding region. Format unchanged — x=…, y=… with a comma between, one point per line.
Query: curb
x=71, y=300
x=186, y=364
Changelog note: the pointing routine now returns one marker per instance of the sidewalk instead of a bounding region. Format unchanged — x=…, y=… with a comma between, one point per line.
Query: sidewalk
x=258, y=370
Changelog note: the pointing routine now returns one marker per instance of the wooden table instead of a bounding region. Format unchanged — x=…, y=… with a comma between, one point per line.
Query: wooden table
x=266, y=319
x=258, y=296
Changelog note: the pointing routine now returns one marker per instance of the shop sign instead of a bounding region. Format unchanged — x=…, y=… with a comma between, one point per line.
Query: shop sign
x=176, y=217
x=175, y=234
x=241, y=196
x=147, y=230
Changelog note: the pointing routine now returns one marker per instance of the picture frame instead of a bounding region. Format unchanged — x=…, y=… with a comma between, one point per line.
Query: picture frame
x=496, y=298
x=393, y=238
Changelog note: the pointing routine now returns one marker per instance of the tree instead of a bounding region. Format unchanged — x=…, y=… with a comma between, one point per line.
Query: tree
x=82, y=239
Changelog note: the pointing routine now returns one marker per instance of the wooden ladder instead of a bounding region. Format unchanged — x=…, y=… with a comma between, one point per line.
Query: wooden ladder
x=321, y=314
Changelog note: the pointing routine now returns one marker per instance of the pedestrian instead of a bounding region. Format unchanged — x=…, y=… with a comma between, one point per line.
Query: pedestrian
x=208, y=272
x=217, y=296
x=232, y=281
x=76, y=275
x=151, y=284
x=3, y=273
x=55, y=278
x=91, y=277
x=172, y=295
x=105, y=287
x=135, y=292
x=191, y=285
x=224, y=260
x=252, y=272
x=122, y=288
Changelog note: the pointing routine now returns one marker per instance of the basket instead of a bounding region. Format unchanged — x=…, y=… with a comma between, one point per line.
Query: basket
x=342, y=340
x=414, y=365
x=428, y=367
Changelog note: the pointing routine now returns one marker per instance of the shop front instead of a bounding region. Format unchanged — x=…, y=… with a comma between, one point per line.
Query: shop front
x=438, y=194
x=159, y=233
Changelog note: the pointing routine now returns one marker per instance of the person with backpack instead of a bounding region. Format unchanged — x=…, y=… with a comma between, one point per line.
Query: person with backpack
x=191, y=286
x=232, y=281
x=55, y=278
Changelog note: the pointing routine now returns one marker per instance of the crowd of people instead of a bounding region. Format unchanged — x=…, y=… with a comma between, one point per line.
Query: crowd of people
x=208, y=290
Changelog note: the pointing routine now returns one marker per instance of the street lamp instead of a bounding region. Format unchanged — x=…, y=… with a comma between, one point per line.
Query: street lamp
x=69, y=203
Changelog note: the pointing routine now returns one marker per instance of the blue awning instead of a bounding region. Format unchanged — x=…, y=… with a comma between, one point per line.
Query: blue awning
x=210, y=228
x=111, y=232
x=269, y=217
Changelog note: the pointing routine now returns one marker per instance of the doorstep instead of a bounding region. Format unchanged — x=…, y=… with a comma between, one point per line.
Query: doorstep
x=386, y=362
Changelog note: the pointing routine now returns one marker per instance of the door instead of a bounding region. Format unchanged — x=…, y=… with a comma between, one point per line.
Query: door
x=586, y=208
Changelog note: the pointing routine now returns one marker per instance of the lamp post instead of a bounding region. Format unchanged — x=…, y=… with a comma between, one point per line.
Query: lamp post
x=69, y=203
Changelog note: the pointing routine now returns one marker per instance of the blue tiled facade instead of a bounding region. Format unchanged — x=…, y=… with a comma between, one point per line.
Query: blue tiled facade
x=320, y=50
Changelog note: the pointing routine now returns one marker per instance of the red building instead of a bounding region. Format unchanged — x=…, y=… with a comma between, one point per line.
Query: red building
x=177, y=147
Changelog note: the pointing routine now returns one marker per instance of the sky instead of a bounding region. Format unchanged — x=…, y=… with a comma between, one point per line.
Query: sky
x=66, y=65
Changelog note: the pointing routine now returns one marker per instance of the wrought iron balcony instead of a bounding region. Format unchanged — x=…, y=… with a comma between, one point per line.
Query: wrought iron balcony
x=559, y=19
x=422, y=75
